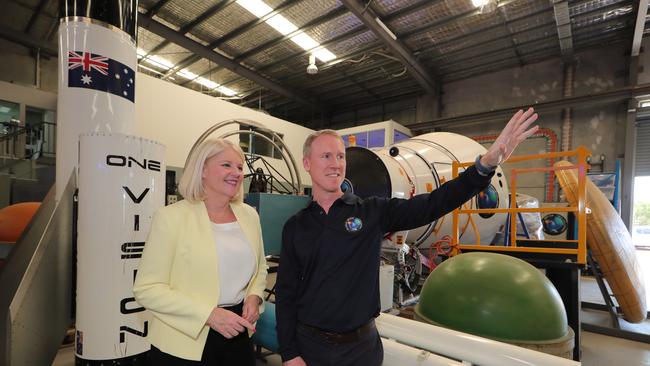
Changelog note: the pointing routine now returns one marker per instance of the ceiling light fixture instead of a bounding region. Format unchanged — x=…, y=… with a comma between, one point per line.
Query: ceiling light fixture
x=227, y=91
x=312, y=69
x=485, y=6
x=284, y=26
x=255, y=7
x=385, y=28
x=150, y=69
x=324, y=55
x=305, y=41
x=167, y=65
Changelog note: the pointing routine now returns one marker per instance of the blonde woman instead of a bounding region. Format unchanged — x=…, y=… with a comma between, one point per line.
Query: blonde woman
x=203, y=273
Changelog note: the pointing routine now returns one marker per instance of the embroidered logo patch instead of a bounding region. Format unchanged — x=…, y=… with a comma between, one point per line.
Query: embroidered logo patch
x=353, y=224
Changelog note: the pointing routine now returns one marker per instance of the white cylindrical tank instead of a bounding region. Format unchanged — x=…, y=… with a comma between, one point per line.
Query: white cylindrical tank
x=420, y=165
x=396, y=353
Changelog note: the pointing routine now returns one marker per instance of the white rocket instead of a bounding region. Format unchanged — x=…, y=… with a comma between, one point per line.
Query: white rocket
x=121, y=178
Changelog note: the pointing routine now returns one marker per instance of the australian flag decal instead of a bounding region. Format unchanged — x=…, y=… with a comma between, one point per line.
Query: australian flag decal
x=91, y=71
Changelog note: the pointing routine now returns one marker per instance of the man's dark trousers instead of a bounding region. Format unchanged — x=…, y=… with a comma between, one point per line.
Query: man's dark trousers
x=317, y=350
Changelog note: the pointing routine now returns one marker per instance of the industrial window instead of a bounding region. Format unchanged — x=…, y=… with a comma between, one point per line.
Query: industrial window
x=10, y=129
x=256, y=145
x=642, y=162
x=9, y=116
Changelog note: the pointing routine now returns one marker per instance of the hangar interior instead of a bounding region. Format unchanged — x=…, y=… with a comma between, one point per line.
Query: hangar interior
x=415, y=88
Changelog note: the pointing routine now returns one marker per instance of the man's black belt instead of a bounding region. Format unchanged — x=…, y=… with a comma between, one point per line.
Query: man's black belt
x=341, y=338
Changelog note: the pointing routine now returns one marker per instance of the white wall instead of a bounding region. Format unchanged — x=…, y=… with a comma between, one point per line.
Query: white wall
x=176, y=116
x=27, y=96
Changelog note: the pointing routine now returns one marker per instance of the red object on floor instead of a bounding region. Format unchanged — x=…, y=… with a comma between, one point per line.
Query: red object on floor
x=15, y=218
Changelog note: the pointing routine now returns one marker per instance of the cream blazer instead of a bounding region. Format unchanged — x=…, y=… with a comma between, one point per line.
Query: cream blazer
x=178, y=278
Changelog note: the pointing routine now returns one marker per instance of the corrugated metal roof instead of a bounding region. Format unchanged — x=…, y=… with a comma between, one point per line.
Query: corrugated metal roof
x=450, y=38
x=225, y=21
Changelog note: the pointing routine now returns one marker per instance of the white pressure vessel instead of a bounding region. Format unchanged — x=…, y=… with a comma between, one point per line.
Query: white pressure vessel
x=420, y=165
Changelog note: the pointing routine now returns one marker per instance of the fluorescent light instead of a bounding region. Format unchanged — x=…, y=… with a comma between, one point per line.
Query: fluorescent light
x=227, y=91
x=324, y=55
x=159, y=62
x=150, y=69
x=4, y=109
x=304, y=41
x=207, y=83
x=385, y=28
x=187, y=74
x=307, y=43
x=282, y=25
x=255, y=7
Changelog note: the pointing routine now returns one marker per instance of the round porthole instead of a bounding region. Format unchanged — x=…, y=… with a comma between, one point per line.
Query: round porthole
x=346, y=186
x=488, y=198
x=554, y=224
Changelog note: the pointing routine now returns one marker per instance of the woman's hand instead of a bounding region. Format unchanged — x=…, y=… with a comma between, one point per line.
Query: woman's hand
x=227, y=323
x=251, y=310
x=515, y=132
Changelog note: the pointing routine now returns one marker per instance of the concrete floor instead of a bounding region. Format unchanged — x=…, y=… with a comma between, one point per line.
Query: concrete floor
x=600, y=350
x=597, y=349
x=65, y=357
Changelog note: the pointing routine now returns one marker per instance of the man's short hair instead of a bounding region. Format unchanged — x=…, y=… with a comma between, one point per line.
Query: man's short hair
x=306, y=147
x=191, y=184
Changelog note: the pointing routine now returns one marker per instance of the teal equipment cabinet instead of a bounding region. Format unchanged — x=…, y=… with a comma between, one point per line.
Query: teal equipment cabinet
x=266, y=335
x=274, y=211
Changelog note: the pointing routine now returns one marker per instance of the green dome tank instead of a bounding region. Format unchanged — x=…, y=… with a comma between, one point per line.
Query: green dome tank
x=494, y=296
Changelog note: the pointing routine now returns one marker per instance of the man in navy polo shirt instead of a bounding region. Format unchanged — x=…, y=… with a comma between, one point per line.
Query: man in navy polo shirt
x=327, y=289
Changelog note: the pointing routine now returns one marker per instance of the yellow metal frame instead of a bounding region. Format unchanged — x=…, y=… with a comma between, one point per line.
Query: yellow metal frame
x=581, y=154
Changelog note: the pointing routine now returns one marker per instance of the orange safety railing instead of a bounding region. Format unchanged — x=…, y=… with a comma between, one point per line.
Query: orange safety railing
x=581, y=154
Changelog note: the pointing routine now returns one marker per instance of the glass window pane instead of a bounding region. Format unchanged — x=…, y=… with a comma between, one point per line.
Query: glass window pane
x=253, y=144
x=641, y=222
x=9, y=116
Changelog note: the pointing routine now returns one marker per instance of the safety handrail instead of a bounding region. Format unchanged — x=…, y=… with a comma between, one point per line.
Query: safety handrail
x=580, y=154
x=17, y=131
x=36, y=131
